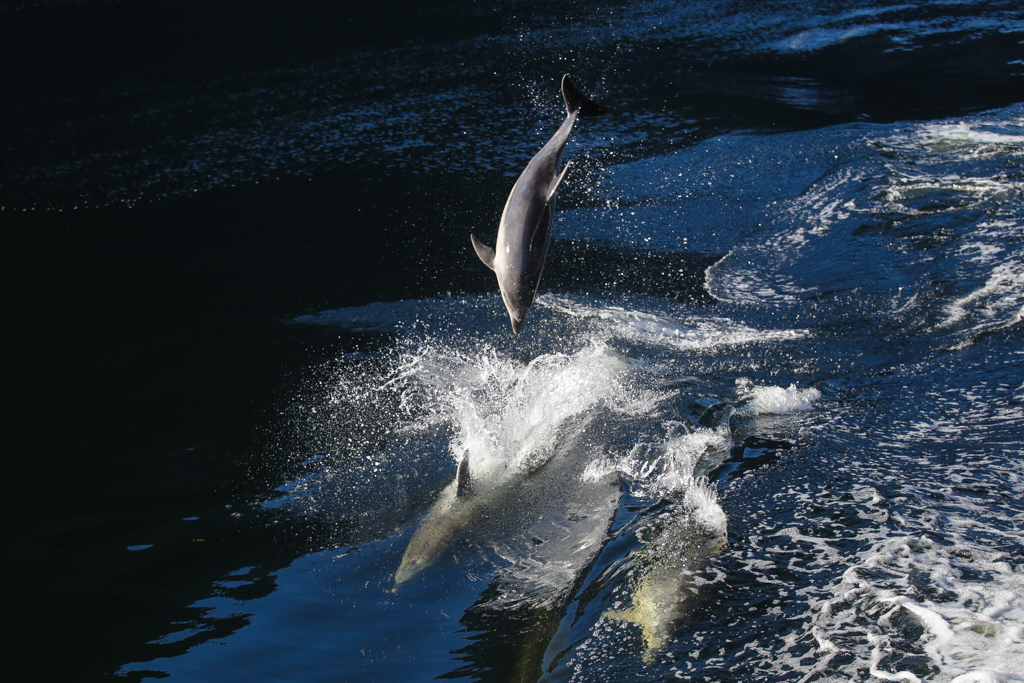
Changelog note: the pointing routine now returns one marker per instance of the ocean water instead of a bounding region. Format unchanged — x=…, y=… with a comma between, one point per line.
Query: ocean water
x=765, y=420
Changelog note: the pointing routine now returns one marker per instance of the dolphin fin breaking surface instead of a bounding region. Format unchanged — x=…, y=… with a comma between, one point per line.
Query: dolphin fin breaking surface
x=517, y=258
x=463, y=484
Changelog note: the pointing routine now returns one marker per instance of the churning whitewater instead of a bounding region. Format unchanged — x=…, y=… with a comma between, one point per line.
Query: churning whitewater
x=560, y=448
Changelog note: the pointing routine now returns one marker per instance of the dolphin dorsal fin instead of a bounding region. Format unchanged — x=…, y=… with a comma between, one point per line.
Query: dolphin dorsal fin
x=558, y=181
x=462, y=483
x=575, y=101
x=485, y=253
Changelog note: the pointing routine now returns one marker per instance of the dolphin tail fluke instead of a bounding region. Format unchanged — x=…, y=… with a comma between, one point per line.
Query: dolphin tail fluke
x=485, y=253
x=575, y=101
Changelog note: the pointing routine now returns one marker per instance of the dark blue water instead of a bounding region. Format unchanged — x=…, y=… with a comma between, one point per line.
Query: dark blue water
x=764, y=421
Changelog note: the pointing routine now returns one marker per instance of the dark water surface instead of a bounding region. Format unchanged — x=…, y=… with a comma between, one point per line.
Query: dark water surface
x=764, y=422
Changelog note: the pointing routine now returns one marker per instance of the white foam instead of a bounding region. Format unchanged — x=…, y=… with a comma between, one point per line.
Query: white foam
x=902, y=190
x=977, y=137
x=997, y=303
x=971, y=616
x=771, y=400
x=507, y=414
x=702, y=501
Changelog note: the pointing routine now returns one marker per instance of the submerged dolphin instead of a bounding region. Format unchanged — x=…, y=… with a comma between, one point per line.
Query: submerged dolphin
x=668, y=577
x=495, y=508
x=524, y=519
x=518, y=256
x=450, y=516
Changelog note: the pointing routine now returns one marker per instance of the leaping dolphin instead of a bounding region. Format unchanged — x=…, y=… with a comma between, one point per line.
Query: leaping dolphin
x=518, y=257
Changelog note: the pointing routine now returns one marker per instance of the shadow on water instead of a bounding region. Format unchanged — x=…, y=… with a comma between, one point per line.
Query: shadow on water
x=507, y=645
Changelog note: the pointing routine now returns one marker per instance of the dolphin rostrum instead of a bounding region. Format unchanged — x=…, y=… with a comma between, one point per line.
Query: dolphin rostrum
x=518, y=256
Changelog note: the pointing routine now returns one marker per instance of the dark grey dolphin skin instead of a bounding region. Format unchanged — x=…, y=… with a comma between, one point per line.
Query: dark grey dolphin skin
x=518, y=256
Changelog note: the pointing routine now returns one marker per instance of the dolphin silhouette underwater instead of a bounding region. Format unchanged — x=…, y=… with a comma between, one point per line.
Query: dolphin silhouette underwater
x=545, y=525
x=522, y=244
x=668, y=573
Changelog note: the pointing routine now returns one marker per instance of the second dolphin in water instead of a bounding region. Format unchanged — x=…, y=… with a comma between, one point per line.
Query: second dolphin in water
x=669, y=572
x=518, y=256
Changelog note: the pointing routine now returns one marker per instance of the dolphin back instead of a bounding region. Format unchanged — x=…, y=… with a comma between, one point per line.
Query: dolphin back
x=576, y=101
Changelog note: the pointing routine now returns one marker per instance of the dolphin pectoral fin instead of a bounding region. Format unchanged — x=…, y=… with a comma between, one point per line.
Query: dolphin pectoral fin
x=462, y=483
x=485, y=253
x=578, y=102
x=653, y=637
x=558, y=181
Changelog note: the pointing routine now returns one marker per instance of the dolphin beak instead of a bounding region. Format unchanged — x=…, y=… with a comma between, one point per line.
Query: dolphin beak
x=517, y=325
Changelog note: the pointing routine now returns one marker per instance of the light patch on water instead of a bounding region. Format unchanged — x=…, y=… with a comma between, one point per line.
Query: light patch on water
x=980, y=252
x=976, y=138
x=379, y=316
x=785, y=265
x=571, y=317
x=997, y=303
x=661, y=330
x=816, y=39
x=822, y=206
x=924, y=193
x=929, y=221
